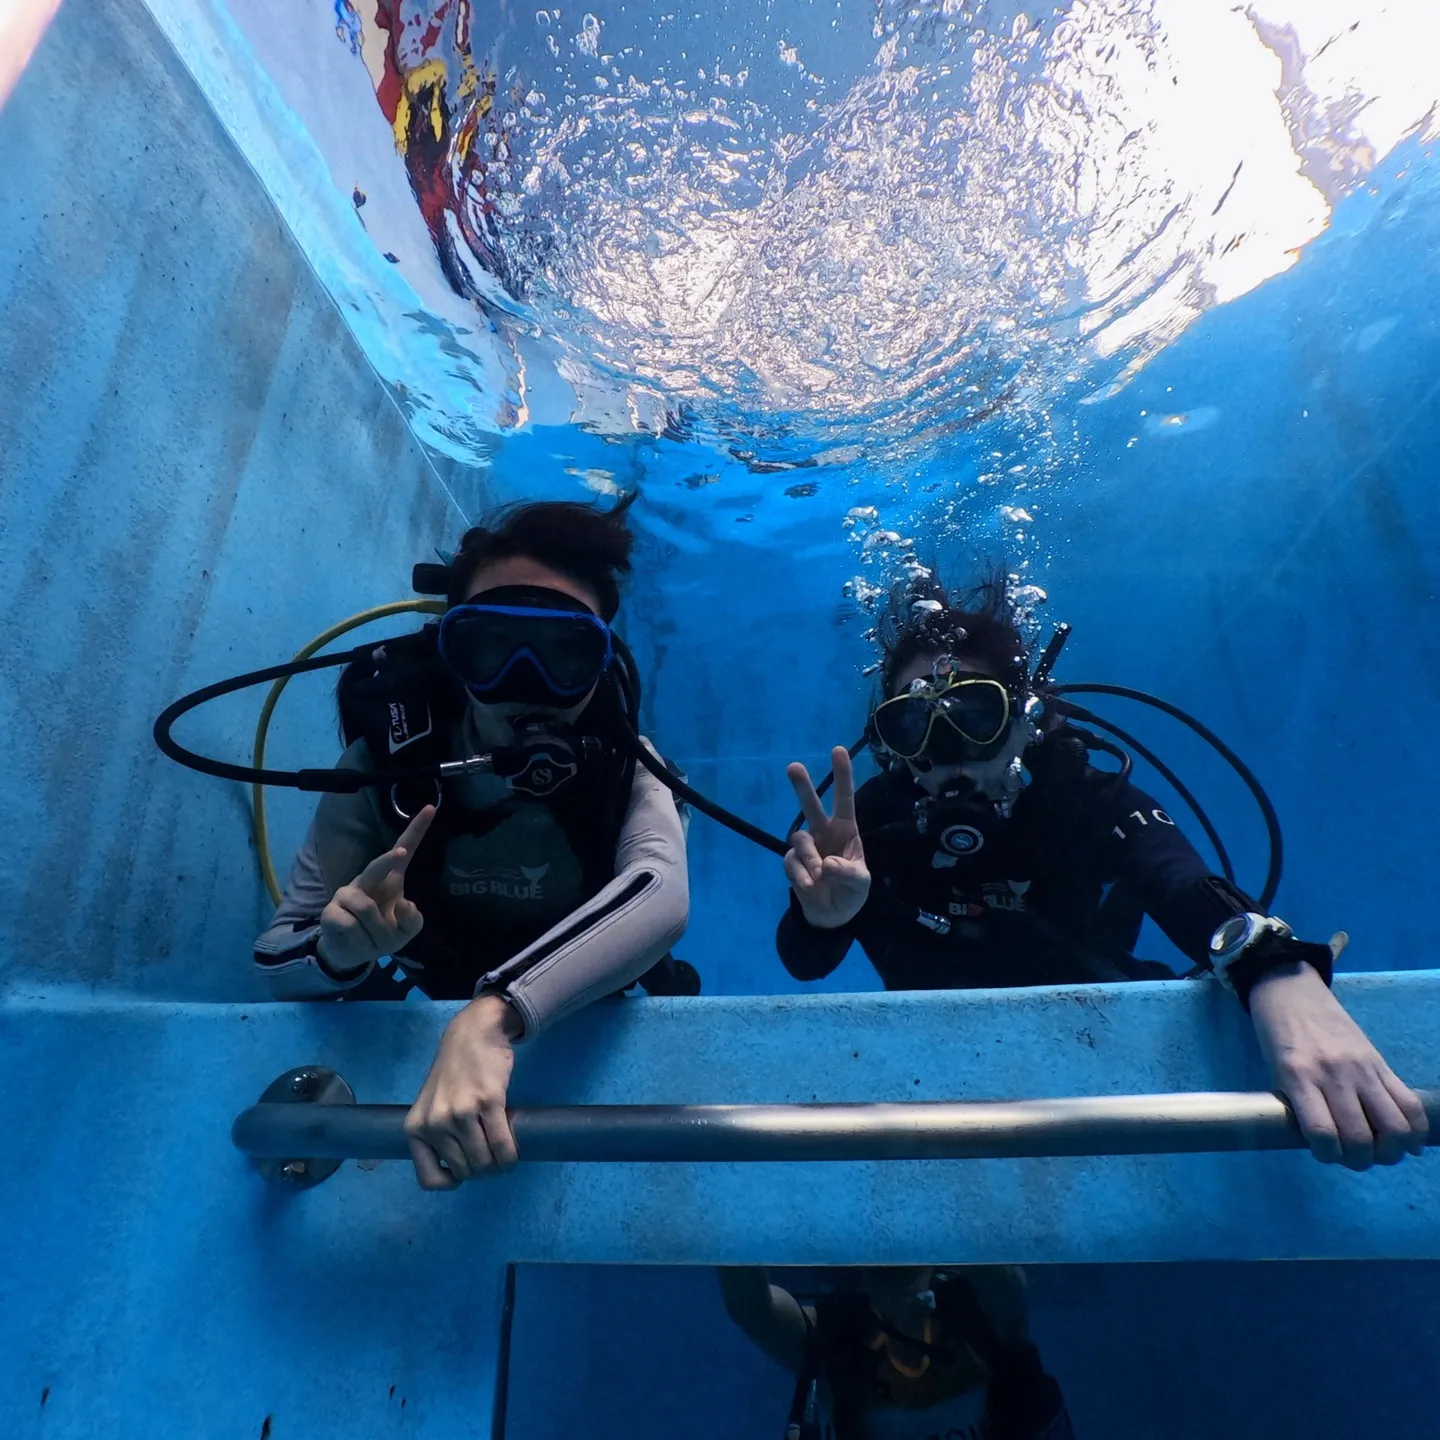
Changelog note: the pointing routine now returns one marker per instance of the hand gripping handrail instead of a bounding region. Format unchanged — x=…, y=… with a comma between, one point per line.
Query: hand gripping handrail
x=1177, y=1124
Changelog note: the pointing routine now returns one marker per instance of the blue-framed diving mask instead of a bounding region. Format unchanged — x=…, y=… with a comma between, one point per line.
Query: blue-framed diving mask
x=526, y=645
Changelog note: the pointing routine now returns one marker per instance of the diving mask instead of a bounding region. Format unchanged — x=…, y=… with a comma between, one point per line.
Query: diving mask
x=953, y=718
x=523, y=644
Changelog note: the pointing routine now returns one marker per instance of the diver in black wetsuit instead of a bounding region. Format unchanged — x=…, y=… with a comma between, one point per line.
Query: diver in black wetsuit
x=992, y=841
x=904, y=1353
x=1020, y=896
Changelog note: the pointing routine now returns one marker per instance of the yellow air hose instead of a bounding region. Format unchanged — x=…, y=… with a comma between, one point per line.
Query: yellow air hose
x=378, y=612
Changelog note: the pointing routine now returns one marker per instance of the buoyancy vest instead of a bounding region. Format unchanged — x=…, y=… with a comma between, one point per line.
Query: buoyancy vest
x=489, y=879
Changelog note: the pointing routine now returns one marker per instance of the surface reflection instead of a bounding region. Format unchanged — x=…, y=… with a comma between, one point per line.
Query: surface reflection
x=885, y=222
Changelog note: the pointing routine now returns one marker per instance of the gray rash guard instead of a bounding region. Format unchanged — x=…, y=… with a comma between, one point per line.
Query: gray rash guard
x=591, y=947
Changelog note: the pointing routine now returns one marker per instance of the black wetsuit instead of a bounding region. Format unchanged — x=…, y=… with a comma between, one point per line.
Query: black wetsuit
x=1053, y=895
x=974, y=1380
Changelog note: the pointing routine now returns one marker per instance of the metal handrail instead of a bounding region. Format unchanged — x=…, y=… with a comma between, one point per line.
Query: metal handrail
x=1176, y=1124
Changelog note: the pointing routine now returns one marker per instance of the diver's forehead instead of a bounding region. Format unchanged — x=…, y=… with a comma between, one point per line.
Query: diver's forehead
x=923, y=667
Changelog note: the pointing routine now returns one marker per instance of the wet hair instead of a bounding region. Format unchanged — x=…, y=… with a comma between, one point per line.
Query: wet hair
x=583, y=542
x=981, y=625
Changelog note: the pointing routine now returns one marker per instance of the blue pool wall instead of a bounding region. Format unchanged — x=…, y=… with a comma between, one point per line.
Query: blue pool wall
x=154, y=1286
x=198, y=472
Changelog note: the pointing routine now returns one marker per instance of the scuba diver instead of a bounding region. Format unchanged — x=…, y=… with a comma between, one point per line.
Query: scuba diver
x=989, y=851
x=905, y=1354
x=549, y=870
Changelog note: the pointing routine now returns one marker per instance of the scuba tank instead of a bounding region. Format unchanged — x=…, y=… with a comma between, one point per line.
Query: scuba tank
x=811, y=1414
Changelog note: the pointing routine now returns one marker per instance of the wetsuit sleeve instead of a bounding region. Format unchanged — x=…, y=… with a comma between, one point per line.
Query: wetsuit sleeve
x=344, y=837
x=1161, y=870
x=807, y=951
x=613, y=939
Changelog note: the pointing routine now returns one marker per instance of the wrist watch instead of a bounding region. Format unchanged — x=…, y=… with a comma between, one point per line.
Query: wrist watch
x=1248, y=947
x=1239, y=943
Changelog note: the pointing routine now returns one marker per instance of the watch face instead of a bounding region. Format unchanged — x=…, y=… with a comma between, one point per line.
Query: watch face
x=1230, y=934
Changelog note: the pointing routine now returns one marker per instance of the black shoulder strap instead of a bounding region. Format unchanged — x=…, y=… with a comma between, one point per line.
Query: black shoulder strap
x=403, y=703
x=593, y=809
x=804, y=1402
x=1062, y=758
x=812, y=1414
x=966, y=1317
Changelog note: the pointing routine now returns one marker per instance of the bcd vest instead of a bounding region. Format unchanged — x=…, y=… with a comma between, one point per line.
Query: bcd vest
x=488, y=880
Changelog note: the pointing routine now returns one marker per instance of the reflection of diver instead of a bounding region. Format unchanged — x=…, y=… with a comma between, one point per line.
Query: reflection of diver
x=991, y=829
x=553, y=870
x=904, y=1354
x=439, y=103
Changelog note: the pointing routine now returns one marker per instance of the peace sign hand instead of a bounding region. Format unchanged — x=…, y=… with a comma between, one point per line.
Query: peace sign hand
x=826, y=864
x=370, y=916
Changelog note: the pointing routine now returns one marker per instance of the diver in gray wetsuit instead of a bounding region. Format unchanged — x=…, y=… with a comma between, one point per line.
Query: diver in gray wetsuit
x=556, y=877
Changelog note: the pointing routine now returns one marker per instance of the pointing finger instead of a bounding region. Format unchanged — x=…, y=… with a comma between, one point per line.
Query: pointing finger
x=414, y=833
x=373, y=877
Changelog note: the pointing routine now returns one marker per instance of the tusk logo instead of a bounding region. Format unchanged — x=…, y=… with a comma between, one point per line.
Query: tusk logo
x=961, y=840
x=400, y=732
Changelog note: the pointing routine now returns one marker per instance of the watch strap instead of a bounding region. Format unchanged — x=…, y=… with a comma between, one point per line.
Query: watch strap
x=1270, y=953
